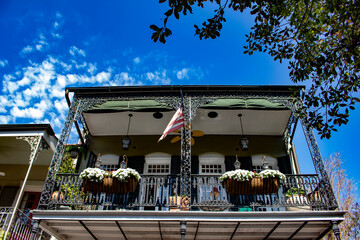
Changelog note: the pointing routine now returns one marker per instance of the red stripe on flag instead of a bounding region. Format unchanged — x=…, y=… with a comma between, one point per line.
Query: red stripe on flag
x=176, y=122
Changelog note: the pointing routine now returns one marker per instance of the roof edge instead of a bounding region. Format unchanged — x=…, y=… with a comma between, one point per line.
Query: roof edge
x=185, y=88
x=27, y=127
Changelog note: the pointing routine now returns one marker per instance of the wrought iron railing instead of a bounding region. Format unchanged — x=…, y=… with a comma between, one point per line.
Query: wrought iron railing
x=297, y=192
x=21, y=228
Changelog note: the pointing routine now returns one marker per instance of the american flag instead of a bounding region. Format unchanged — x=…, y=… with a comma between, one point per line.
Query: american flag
x=176, y=122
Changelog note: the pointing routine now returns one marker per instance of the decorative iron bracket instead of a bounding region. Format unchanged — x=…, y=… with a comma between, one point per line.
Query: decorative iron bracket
x=34, y=143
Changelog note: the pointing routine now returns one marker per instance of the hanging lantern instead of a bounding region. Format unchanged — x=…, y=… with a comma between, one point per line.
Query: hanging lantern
x=126, y=141
x=244, y=142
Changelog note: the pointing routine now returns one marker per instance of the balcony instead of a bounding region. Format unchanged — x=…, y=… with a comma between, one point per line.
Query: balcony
x=22, y=227
x=175, y=196
x=161, y=193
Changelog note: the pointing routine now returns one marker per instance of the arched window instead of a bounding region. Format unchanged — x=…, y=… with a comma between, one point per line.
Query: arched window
x=109, y=162
x=211, y=163
x=257, y=162
x=157, y=164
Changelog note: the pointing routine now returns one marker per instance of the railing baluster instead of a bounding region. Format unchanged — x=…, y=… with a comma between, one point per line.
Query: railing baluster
x=155, y=191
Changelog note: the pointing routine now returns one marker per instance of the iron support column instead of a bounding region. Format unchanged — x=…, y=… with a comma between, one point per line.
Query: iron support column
x=37, y=143
x=336, y=230
x=185, y=174
x=319, y=164
x=182, y=229
x=57, y=158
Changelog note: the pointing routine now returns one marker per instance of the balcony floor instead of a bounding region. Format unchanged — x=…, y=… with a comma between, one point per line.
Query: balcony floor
x=134, y=225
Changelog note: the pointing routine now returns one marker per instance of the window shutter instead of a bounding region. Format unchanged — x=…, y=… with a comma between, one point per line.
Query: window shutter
x=91, y=160
x=229, y=163
x=194, y=165
x=137, y=163
x=284, y=165
x=246, y=163
x=7, y=195
x=175, y=165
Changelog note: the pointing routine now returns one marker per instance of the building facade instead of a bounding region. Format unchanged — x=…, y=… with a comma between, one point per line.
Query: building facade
x=180, y=194
x=26, y=151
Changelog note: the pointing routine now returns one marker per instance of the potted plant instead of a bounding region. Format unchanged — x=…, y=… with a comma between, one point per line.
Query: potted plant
x=123, y=180
x=179, y=203
x=271, y=180
x=244, y=182
x=93, y=178
x=296, y=197
x=73, y=150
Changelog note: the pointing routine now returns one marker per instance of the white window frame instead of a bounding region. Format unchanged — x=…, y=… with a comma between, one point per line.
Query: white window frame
x=257, y=161
x=211, y=159
x=109, y=160
x=157, y=159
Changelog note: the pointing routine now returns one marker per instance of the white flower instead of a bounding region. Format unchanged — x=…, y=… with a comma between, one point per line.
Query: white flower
x=94, y=174
x=123, y=174
x=272, y=173
x=239, y=175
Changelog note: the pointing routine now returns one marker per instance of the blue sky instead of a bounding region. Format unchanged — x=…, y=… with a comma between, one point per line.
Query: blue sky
x=47, y=45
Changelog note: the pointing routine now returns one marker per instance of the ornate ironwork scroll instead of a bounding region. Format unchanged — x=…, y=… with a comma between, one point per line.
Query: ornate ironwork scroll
x=185, y=173
x=294, y=105
x=56, y=160
x=34, y=142
x=318, y=163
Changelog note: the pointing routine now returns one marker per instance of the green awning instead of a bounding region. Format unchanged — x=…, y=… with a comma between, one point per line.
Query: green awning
x=133, y=105
x=152, y=105
x=243, y=103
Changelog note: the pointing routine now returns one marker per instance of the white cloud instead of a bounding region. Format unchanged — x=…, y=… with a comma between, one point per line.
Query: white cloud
x=137, y=60
x=36, y=112
x=92, y=68
x=39, y=47
x=3, y=103
x=183, y=73
x=61, y=106
x=27, y=49
x=4, y=119
x=56, y=35
x=76, y=51
x=124, y=79
x=3, y=63
x=58, y=15
x=158, y=77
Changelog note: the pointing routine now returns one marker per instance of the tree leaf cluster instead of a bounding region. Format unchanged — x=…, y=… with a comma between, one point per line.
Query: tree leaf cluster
x=320, y=38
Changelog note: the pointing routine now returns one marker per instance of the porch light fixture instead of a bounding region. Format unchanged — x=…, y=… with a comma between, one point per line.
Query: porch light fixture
x=265, y=164
x=124, y=162
x=237, y=164
x=158, y=115
x=98, y=161
x=244, y=142
x=126, y=140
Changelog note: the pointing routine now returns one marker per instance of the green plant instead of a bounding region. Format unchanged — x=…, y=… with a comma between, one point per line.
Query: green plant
x=295, y=191
x=67, y=165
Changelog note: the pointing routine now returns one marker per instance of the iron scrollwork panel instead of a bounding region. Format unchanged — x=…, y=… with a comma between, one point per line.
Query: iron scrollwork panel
x=56, y=160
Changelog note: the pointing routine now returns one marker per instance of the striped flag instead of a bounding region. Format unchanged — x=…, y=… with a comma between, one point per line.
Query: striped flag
x=176, y=122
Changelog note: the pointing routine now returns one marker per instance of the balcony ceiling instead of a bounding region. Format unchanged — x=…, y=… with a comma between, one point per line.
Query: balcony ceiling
x=150, y=225
x=270, y=122
x=17, y=151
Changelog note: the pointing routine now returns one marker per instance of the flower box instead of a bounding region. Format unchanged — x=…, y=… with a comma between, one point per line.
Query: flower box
x=255, y=186
x=120, y=181
x=244, y=182
x=113, y=185
x=92, y=186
